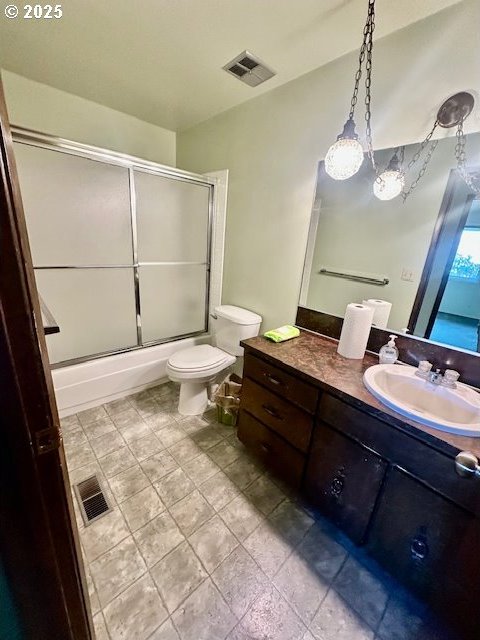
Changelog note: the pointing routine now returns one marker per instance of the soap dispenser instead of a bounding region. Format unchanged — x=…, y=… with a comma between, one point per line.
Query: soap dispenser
x=389, y=353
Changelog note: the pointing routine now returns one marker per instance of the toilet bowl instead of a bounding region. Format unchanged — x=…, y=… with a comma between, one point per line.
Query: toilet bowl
x=198, y=367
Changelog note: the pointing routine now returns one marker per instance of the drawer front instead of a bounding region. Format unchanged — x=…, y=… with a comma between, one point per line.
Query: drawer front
x=428, y=464
x=343, y=480
x=429, y=543
x=289, y=421
x=300, y=393
x=274, y=452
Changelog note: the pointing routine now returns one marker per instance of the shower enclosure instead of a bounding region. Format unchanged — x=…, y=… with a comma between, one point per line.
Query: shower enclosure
x=121, y=247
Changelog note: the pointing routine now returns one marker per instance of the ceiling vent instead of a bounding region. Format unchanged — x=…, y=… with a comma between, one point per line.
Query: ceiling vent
x=249, y=69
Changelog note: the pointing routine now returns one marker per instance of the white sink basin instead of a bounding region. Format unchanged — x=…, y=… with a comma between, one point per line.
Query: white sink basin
x=452, y=410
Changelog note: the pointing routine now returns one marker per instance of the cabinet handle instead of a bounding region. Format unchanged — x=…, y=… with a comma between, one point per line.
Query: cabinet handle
x=466, y=465
x=419, y=548
x=337, y=486
x=272, y=412
x=272, y=379
x=266, y=448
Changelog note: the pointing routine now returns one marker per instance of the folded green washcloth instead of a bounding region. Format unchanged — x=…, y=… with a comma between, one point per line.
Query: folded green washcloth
x=282, y=333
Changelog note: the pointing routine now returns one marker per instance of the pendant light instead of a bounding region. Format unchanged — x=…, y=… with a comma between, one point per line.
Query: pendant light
x=344, y=158
x=390, y=183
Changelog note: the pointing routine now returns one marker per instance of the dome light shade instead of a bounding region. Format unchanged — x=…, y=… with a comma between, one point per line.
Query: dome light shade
x=389, y=184
x=344, y=158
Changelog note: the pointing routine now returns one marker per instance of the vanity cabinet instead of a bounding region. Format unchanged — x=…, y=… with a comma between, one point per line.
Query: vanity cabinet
x=343, y=479
x=430, y=544
x=276, y=417
x=389, y=488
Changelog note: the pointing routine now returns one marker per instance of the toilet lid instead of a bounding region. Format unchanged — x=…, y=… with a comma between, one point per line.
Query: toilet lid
x=203, y=356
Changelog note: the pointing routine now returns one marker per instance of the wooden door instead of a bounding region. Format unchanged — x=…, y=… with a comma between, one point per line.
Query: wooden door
x=39, y=548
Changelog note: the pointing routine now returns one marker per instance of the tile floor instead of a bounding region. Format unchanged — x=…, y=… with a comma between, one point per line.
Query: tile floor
x=204, y=544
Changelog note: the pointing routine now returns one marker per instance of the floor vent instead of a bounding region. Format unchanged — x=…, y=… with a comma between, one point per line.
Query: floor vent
x=92, y=500
x=249, y=69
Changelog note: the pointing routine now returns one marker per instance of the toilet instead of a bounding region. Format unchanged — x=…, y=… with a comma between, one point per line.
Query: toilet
x=196, y=368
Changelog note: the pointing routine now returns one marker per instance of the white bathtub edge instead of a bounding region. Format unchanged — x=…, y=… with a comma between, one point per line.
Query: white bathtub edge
x=92, y=383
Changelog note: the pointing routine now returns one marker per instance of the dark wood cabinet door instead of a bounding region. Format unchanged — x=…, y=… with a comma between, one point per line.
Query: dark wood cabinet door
x=432, y=546
x=343, y=479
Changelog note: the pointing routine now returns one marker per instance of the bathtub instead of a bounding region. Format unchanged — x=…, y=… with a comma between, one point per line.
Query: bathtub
x=89, y=384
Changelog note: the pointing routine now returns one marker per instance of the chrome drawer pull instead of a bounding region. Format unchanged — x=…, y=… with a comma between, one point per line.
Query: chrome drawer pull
x=272, y=379
x=271, y=412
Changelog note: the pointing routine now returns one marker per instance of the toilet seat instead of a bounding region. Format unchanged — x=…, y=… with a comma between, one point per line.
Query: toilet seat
x=198, y=358
x=199, y=362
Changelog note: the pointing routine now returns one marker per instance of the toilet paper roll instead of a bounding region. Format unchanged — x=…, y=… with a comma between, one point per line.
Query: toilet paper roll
x=355, y=331
x=381, y=312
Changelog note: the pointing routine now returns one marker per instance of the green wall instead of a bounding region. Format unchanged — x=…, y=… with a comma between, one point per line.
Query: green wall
x=36, y=106
x=272, y=144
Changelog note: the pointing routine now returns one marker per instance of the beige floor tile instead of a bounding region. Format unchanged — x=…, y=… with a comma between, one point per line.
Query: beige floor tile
x=264, y=494
x=117, y=461
x=177, y=575
x=108, y=443
x=103, y=534
x=159, y=465
x=240, y=581
x=129, y=482
x=204, y=615
x=301, y=586
x=200, y=469
x=141, y=508
x=136, y=613
x=157, y=538
x=267, y=548
x=184, y=451
x=99, y=428
x=213, y=542
x=145, y=447
x=219, y=490
x=241, y=517
x=270, y=616
x=117, y=569
x=90, y=415
x=191, y=512
x=174, y=486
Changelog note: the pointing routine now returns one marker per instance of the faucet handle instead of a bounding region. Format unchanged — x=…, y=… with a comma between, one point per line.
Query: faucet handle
x=424, y=368
x=450, y=378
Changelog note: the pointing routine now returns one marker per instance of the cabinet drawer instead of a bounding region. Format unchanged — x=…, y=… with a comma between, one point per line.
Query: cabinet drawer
x=343, y=479
x=430, y=544
x=289, y=421
x=274, y=452
x=300, y=393
x=417, y=457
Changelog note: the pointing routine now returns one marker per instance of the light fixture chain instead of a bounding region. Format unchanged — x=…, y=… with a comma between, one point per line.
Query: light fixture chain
x=368, y=83
x=423, y=168
x=461, y=157
x=361, y=57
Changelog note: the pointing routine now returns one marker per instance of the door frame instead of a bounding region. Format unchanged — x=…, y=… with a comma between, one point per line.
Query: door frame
x=455, y=182
x=39, y=542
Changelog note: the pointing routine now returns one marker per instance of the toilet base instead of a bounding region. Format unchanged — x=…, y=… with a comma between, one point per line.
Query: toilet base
x=193, y=398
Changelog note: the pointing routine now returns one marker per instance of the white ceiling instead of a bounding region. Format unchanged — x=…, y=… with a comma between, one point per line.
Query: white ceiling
x=161, y=60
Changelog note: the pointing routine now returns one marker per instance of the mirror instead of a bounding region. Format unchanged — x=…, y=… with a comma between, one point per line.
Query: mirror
x=421, y=256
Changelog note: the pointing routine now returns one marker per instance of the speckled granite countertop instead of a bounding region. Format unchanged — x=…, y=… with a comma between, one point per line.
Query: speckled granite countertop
x=314, y=358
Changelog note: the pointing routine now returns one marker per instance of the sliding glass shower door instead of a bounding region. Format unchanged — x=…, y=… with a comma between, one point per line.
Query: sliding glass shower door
x=173, y=247
x=121, y=251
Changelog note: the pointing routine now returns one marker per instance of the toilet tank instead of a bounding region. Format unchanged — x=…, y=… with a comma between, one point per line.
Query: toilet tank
x=233, y=324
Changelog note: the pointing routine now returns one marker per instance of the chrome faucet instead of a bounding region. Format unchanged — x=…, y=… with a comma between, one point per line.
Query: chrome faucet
x=447, y=379
x=435, y=377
